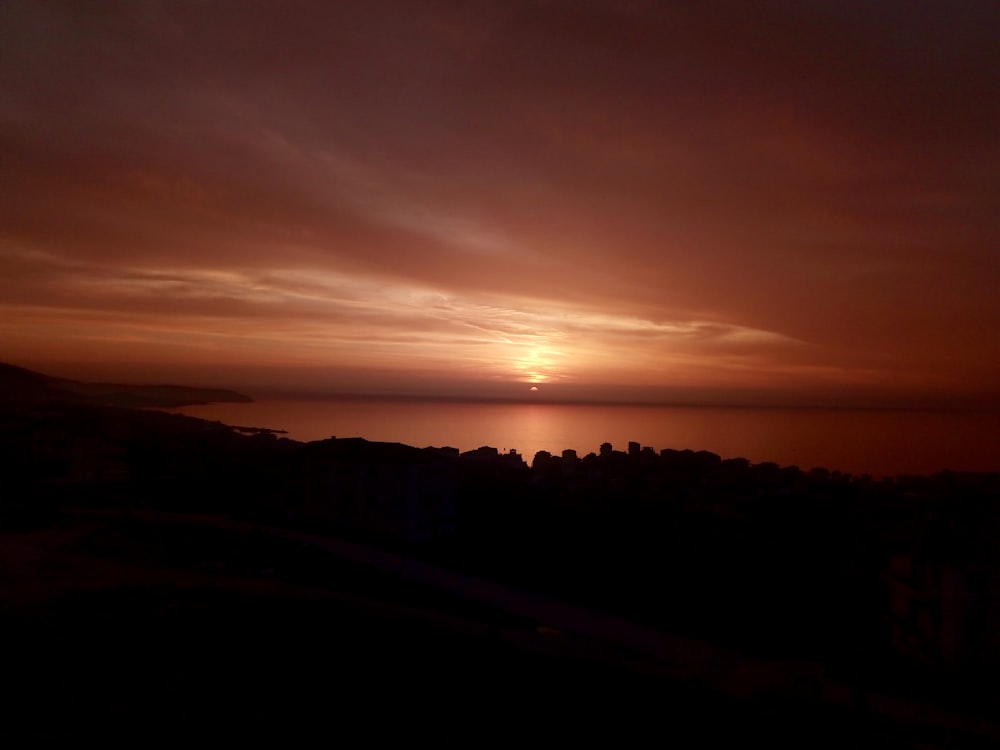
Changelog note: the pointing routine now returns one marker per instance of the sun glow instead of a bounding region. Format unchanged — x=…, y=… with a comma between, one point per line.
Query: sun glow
x=540, y=365
x=318, y=317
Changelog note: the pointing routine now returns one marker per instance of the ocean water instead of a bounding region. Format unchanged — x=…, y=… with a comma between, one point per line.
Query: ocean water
x=876, y=442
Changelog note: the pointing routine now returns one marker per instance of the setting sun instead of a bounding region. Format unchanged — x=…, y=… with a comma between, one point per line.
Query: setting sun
x=341, y=237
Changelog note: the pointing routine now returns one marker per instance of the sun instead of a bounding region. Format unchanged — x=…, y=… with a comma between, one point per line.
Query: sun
x=533, y=388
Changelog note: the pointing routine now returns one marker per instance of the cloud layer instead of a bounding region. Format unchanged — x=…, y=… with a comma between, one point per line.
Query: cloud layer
x=777, y=195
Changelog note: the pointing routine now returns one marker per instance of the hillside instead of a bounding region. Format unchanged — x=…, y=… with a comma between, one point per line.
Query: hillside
x=18, y=384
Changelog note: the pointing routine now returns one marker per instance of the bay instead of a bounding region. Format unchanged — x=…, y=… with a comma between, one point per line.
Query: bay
x=876, y=442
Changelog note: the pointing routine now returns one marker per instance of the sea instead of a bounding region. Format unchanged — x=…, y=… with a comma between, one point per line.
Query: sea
x=857, y=441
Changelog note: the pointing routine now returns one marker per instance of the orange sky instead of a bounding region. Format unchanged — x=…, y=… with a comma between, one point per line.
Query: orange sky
x=718, y=201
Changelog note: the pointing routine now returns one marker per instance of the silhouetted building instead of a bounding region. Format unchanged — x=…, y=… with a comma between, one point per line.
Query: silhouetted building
x=483, y=452
x=541, y=459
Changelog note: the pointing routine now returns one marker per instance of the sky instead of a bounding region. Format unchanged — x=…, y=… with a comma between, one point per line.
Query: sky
x=718, y=201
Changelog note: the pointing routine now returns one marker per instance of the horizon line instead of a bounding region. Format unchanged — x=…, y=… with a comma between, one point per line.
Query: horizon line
x=296, y=395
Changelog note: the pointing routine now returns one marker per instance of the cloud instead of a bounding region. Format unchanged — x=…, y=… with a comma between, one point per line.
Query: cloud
x=712, y=191
x=320, y=318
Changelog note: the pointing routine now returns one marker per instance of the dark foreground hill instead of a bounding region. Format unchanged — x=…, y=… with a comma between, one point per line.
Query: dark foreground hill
x=161, y=573
x=18, y=384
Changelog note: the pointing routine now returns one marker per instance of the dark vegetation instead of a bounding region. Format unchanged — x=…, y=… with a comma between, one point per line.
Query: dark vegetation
x=163, y=572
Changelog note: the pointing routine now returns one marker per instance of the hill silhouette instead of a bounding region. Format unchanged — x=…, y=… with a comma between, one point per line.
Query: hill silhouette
x=18, y=384
x=162, y=570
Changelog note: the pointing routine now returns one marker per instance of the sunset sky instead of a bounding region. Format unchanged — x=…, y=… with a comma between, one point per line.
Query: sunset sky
x=715, y=201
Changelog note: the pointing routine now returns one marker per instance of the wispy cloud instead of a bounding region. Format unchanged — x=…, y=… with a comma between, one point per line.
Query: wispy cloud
x=596, y=192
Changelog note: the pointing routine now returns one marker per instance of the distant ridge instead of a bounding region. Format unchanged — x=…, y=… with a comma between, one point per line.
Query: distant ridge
x=20, y=385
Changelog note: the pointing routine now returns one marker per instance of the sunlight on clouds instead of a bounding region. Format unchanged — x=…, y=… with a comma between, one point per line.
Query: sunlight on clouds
x=322, y=318
x=384, y=193
x=540, y=366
